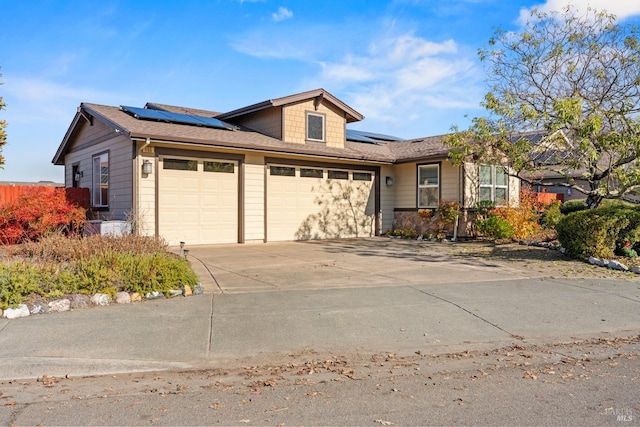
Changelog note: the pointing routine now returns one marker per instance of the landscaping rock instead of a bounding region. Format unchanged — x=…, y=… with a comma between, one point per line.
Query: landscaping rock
x=617, y=265
x=154, y=295
x=198, y=290
x=175, y=292
x=60, y=305
x=135, y=297
x=100, y=299
x=80, y=301
x=187, y=290
x=636, y=269
x=13, y=313
x=594, y=260
x=123, y=298
x=39, y=308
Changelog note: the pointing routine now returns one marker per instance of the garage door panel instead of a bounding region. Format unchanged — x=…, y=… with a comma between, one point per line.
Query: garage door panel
x=300, y=208
x=198, y=207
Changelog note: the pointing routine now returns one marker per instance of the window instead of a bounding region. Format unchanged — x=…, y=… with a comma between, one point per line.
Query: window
x=315, y=127
x=100, y=184
x=338, y=175
x=493, y=184
x=282, y=171
x=180, y=164
x=361, y=176
x=221, y=167
x=428, y=186
x=311, y=173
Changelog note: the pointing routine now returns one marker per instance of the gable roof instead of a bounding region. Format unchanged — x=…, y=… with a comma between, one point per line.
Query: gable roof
x=359, y=145
x=319, y=94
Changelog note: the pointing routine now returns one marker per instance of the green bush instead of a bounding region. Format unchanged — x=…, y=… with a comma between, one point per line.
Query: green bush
x=60, y=266
x=495, y=227
x=572, y=206
x=551, y=215
x=600, y=232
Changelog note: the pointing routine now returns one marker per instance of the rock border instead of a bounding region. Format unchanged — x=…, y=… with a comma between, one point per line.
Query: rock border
x=76, y=301
x=610, y=264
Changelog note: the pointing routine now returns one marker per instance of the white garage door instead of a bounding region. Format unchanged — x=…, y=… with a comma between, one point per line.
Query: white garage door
x=198, y=201
x=318, y=203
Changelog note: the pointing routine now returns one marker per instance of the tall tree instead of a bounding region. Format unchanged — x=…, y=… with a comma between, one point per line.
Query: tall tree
x=3, y=132
x=575, y=78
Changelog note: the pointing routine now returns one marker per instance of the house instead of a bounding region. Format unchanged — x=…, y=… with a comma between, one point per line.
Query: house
x=283, y=169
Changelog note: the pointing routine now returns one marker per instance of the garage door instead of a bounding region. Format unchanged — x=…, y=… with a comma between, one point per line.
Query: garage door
x=198, y=201
x=319, y=203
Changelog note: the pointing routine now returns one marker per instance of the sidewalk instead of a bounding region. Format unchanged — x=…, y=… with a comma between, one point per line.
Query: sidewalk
x=403, y=306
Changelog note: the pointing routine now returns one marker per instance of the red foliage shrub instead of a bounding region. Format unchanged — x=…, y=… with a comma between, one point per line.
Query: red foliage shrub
x=36, y=213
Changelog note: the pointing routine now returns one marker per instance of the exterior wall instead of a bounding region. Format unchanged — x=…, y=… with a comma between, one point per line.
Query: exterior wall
x=268, y=122
x=146, y=200
x=405, y=185
x=254, y=186
x=97, y=139
x=472, y=187
x=387, y=197
x=295, y=123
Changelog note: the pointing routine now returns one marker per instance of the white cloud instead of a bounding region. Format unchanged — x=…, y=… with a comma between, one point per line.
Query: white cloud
x=282, y=14
x=399, y=80
x=621, y=8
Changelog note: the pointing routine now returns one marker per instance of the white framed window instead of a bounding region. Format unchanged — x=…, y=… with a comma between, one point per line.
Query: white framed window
x=315, y=126
x=428, y=186
x=100, y=180
x=494, y=185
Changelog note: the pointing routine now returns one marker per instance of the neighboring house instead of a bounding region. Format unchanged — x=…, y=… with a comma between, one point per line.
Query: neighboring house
x=283, y=169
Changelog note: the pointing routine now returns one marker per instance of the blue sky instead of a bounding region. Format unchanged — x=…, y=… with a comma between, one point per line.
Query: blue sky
x=410, y=66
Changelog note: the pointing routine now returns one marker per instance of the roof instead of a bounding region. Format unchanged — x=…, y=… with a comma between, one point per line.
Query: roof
x=359, y=146
x=351, y=114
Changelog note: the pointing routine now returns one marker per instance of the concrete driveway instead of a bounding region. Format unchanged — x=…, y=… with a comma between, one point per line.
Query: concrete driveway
x=352, y=263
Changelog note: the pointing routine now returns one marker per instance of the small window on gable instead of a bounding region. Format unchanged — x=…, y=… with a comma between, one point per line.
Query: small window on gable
x=282, y=171
x=428, y=186
x=494, y=184
x=100, y=181
x=315, y=127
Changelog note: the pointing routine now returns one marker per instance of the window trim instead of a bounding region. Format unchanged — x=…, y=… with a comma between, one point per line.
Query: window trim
x=308, y=128
x=102, y=203
x=421, y=186
x=494, y=184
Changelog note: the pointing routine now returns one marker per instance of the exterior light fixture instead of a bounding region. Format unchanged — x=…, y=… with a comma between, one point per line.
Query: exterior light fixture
x=389, y=181
x=147, y=167
x=78, y=176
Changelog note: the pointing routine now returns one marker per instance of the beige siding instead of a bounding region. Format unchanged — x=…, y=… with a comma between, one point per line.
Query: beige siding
x=268, y=122
x=146, y=209
x=450, y=184
x=405, y=185
x=254, y=197
x=295, y=123
x=514, y=191
x=97, y=139
x=387, y=197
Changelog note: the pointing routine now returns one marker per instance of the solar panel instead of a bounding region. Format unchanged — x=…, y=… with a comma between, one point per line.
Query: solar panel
x=369, y=137
x=178, y=118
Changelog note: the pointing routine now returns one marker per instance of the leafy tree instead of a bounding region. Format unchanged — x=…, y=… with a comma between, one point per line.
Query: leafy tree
x=575, y=79
x=3, y=132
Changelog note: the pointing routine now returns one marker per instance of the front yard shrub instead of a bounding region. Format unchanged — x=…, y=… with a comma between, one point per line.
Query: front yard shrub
x=38, y=213
x=591, y=232
x=551, y=215
x=572, y=206
x=494, y=227
x=57, y=266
